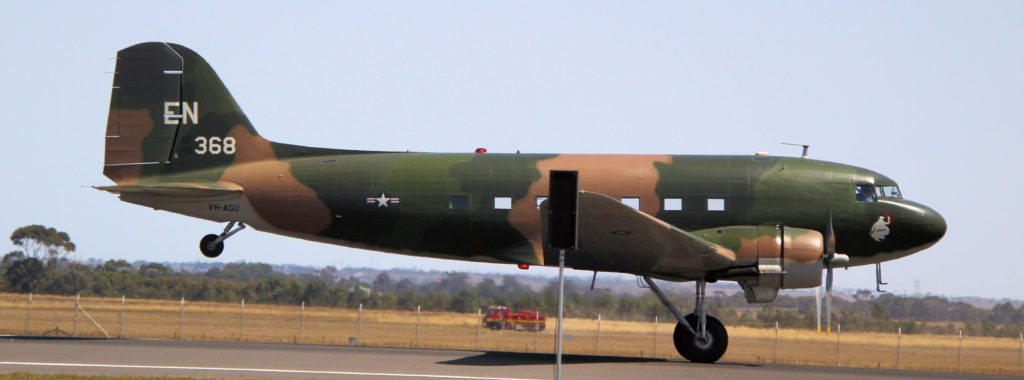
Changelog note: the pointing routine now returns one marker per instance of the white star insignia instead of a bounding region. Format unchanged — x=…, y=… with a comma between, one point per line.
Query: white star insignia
x=383, y=200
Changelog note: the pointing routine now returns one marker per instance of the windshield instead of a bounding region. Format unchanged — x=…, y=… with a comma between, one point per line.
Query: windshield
x=888, y=192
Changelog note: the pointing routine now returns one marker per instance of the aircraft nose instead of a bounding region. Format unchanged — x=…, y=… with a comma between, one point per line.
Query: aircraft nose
x=921, y=227
x=933, y=225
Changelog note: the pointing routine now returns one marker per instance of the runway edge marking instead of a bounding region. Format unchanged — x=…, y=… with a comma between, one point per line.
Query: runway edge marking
x=264, y=370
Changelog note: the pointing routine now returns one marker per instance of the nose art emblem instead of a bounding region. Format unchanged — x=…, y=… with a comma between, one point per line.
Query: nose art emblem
x=880, y=229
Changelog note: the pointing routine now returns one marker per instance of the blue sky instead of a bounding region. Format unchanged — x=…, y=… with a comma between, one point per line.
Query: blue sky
x=928, y=93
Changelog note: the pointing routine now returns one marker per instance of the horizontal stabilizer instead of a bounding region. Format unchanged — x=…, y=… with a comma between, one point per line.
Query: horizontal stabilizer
x=176, y=189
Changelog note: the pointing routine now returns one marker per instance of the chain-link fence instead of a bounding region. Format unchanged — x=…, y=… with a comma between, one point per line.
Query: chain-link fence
x=309, y=324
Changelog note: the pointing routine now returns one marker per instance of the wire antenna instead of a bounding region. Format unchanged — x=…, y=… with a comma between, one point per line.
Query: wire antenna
x=804, y=156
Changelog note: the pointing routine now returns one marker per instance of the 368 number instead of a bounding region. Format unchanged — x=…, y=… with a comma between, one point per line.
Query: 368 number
x=215, y=145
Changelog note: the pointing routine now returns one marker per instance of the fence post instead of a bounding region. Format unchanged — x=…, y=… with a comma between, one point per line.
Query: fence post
x=776, y=342
x=839, y=347
x=359, y=330
x=655, y=336
x=181, y=320
x=959, y=349
x=417, y=326
x=899, y=346
x=120, y=320
x=597, y=350
x=241, y=321
x=1020, y=369
x=536, y=332
x=28, y=323
x=302, y=320
x=74, y=330
x=479, y=322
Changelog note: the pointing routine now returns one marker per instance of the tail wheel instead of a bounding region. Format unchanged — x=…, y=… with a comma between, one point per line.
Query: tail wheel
x=208, y=248
x=696, y=349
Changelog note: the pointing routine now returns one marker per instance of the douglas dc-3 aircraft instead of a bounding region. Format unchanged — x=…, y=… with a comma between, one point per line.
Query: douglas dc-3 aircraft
x=177, y=141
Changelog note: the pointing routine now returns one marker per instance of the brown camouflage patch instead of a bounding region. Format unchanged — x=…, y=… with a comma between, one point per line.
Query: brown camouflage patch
x=801, y=247
x=125, y=131
x=764, y=246
x=274, y=192
x=616, y=176
x=805, y=246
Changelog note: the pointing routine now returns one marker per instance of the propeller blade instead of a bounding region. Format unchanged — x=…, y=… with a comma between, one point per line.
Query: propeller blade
x=817, y=304
x=828, y=301
x=829, y=256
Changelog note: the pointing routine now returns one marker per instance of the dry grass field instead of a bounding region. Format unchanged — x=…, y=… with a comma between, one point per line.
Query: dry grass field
x=65, y=376
x=156, y=319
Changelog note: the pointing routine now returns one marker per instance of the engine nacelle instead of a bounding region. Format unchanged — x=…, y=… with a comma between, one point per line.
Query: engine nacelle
x=785, y=257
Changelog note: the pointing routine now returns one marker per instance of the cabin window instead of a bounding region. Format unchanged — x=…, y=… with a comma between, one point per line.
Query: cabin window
x=888, y=192
x=673, y=204
x=716, y=204
x=865, y=193
x=633, y=202
x=458, y=202
x=541, y=199
x=502, y=203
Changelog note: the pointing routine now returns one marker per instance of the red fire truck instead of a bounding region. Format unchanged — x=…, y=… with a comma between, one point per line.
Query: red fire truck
x=503, y=318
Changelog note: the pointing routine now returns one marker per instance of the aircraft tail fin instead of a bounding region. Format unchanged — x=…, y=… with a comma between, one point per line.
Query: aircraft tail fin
x=170, y=113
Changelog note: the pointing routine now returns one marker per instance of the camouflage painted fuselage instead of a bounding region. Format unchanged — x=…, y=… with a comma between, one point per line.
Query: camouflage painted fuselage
x=472, y=206
x=327, y=198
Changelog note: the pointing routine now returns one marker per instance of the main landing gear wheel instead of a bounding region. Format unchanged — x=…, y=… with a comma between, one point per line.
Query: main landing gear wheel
x=699, y=337
x=701, y=350
x=210, y=247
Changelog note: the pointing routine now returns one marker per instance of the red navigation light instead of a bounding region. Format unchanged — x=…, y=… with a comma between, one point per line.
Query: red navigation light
x=481, y=150
x=524, y=266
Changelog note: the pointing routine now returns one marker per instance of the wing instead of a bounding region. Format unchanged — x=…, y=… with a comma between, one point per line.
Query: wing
x=615, y=237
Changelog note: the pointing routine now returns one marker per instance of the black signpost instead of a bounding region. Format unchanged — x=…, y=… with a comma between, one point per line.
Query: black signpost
x=563, y=203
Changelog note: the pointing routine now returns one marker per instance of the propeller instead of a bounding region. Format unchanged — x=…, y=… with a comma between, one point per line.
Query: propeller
x=831, y=260
x=817, y=304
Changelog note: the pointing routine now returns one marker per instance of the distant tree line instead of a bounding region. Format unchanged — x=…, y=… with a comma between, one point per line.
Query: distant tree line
x=41, y=266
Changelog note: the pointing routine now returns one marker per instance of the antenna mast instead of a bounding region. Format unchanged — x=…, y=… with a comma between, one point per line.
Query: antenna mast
x=804, y=156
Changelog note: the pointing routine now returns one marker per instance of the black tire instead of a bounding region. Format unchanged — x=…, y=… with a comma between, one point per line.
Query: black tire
x=701, y=352
x=208, y=249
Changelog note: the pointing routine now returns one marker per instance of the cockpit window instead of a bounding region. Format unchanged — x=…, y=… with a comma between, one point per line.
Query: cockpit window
x=888, y=192
x=865, y=193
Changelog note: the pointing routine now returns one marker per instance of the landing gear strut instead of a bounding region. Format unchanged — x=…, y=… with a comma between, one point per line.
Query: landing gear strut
x=212, y=245
x=698, y=337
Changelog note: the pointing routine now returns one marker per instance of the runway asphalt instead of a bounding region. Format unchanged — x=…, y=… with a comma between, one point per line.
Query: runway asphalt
x=266, y=360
